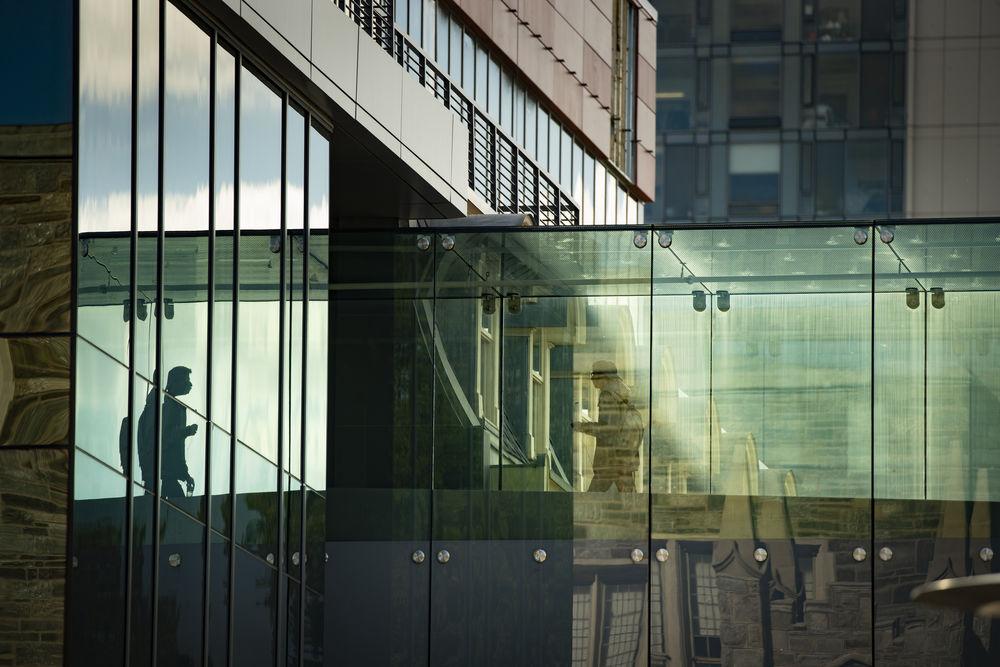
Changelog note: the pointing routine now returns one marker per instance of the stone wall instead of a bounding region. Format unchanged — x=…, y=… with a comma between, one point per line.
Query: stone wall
x=36, y=196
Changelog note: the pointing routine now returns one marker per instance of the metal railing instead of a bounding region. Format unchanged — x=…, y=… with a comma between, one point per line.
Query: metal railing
x=499, y=172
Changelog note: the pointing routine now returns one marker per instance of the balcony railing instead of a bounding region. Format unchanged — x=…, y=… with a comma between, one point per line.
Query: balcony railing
x=499, y=172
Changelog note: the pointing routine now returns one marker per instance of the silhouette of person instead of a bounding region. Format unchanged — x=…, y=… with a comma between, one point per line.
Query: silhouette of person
x=145, y=437
x=174, y=431
x=618, y=431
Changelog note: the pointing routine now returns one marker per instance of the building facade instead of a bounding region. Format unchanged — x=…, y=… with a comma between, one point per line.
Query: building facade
x=259, y=405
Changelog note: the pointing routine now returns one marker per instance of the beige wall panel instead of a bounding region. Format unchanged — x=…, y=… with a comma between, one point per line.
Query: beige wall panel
x=504, y=29
x=597, y=76
x=568, y=45
x=597, y=32
x=645, y=172
x=646, y=82
x=597, y=124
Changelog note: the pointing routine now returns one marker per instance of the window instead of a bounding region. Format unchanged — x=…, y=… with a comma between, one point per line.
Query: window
x=468, y=62
x=678, y=180
x=755, y=86
x=442, y=35
x=482, y=77
x=600, y=186
x=506, y=103
x=675, y=92
x=565, y=160
x=836, y=92
x=588, y=190
x=553, y=164
x=829, y=179
x=865, y=178
x=493, y=103
x=876, y=89
x=676, y=23
x=756, y=20
x=455, y=51
x=543, y=139
x=704, y=614
x=754, y=184
x=830, y=20
x=530, y=127
x=519, y=116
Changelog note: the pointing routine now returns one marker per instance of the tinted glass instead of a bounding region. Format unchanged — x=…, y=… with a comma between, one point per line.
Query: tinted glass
x=101, y=425
x=222, y=314
x=256, y=504
x=255, y=611
x=105, y=116
x=755, y=88
x=143, y=533
x=317, y=312
x=675, y=97
x=218, y=601
x=182, y=457
x=180, y=592
x=221, y=513
x=39, y=39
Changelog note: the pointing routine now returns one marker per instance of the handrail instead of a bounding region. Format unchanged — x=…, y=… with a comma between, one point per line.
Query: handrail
x=500, y=172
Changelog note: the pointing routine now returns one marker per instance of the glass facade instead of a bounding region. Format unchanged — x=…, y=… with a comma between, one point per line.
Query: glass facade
x=724, y=444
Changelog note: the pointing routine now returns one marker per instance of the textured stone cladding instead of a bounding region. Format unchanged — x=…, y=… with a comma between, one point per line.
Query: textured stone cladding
x=33, y=499
x=36, y=194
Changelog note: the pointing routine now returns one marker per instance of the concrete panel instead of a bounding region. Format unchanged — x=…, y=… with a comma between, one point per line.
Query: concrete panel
x=459, y=156
x=597, y=32
x=606, y=7
x=567, y=44
x=572, y=11
x=276, y=39
x=961, y=18
x=646, y=82
x=425, y=124
x=645, y=126
x=540, y=17
x=335, y=46
x=929, y=19
x=380, y=133
x=928, y=87
x=959, y=164
x=989, y=171
x=989, y=91
x=568, y=94
x=504, y=28
x=290, y=18
x=925, y=177
x=597, y=76
x=380, y=85
x=961, y=86
x=647, y=38
x=341, y=98
x=597, y=125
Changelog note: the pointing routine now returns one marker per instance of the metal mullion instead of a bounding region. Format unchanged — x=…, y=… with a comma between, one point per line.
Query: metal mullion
x=157, y=317
x=282, y=628
x=233, y=354
x=302, y=391
x=209, y=360
x=130, y=393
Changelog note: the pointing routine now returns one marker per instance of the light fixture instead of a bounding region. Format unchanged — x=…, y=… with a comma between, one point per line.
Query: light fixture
x=514, y=303
x=423, y=242
x=722, y=300
x=912, y=298
x=665, y=238
x=174, y=560
x=937, y=297
x=760, y=554
x=489, y=303
x=84, y=247
x=141, y=309
x=126, y=310
x=699, y=300
x=887, y=233
x=448, y=242
x=274, y=244
x=640, y=238
x=860, y=235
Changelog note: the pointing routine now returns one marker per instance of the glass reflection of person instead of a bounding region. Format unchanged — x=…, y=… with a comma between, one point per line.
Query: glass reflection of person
x=173, y=461
x=618, y=431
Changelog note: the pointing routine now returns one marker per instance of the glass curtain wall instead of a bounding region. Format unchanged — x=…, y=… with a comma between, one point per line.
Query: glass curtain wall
x=631, y=446
x=202, y=280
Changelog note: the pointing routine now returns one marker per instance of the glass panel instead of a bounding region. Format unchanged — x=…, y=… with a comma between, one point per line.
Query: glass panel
x=756, y=20
x=678, y=195
x=754, y=179
x=455, y=51
x=382, y=373
x=180, y=593
x=482, y=76
x=755, y=92
x=221, y=513
x=530, y=126
x=182, y=455
x=762, y=342
x=105, y=132
x=675, y=23
x=256, y=504
x=146, y=309
x=103, y=306
x=600, y=188
x=143, y=530
x=832, y=20
x=292, y=302
x=255, y=609
x=876, y=89
x=317, y=313
x=675, y=91
x=148, y=116
x=293, y=491
x=493, y=102
x=553, y=164
x=185, y=323
x=97, y=615
x=218, y=601
x=866, y=177
x=441, y=39
x=222, y=313
x=829, y=178
x=542, y=156
x=101, y=389
x=468, y=63
x=836, y=92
